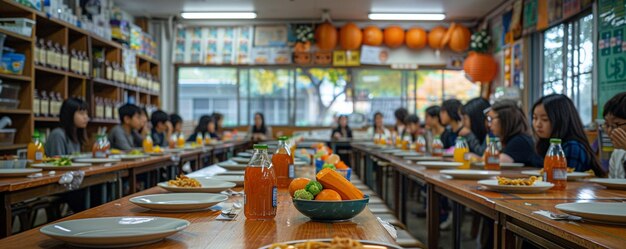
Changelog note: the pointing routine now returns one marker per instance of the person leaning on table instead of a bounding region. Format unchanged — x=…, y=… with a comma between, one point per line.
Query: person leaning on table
x=615, y=126
x=69, y=138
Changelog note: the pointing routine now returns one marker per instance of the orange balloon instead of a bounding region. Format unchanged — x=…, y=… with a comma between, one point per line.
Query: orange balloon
x=326, y=36
x=480, y=67
x=446, y=38
x=372, y=36
x=350, y=36
x=460, y=39
x=416, y=38
x=393, y=36
x=435, y=37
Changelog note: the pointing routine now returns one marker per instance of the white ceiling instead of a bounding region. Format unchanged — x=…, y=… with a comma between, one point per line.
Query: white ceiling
x=312, y=9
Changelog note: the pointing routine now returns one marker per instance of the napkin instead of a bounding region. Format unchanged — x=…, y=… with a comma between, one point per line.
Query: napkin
x=553, y=216
x=228, y=206
x=390, y=228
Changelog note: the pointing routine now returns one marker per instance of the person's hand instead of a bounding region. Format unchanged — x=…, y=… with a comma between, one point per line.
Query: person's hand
x=618, y=138
x=169, y=126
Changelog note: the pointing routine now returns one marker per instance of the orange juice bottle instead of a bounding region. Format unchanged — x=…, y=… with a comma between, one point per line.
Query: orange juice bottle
x=207, y=138
x=420, y=144
x=283, y=163
x=460, y=150
x=199, y=139
x=148, y=145
x=437, y=147
x=35, y=152
x=180, y=142
x=100, y=147
x=406, y=143
x=172, y=142
x=492, y=154
x=260, y=186
x=555, y=165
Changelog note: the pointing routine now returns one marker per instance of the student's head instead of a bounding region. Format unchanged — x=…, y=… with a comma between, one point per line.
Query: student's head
x=205, y=124
x=615, y=113
x=177, y=122
x=431, y=119
x=74, y=119
x=450, y=111
x=400, y=115
x=506, y=120
x=343, y=121
x=555, y=116
x=159, y=120
x=131, y=116
x=413, y=124
x=259, y=120
x=378, y=120
x=219, y=120
x=474, y=117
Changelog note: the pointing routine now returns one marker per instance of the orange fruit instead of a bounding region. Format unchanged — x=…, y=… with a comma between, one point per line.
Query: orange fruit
x=328, y=195
x=333, y=159
x=297, y=184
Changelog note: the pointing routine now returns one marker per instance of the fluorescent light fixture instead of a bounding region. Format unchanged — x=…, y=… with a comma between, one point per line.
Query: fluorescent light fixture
x=218, y=15
x=406, y=16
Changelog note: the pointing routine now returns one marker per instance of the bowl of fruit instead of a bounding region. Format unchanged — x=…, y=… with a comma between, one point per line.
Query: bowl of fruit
x=329, y=198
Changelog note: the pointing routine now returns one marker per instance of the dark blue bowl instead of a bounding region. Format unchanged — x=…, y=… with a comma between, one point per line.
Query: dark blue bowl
x=331, y=211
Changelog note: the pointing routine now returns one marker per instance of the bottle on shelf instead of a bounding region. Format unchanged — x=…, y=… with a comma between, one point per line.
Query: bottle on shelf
x=55, y=104
x=49, y=54
x=65, y=59
x=98, y=68
x=37, y=50
x=555, y=165
x=99, y=108
x=101, y=147
x=44, y=105
x=109, y=70
x=492, y=154
x=260, y=186
x=85, y=65
x=35, y=151
x=111, y=109
x=105, y=109
x=36, y=104
x=57, y=56
x=283, y=163
x=437, y=147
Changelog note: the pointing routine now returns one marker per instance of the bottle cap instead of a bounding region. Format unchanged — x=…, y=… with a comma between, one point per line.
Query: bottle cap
x=282, y=138
x=260, y=146
x=555, y=140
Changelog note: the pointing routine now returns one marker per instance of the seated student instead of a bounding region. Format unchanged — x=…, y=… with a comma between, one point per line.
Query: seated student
x=432, y=125
x=378, y=128
x=219, y=124
x=555, y=116
x=474, y=119
x=508, y=122
x=141, y=133
x=259, y=131
x=413, y=127
x=615, y=126
x=206, y=126
x=342, y=130
x=450, y=116
x=399, y=129
x=161, y=128
x=120, y=136
x=177, y=123
x=69, y=138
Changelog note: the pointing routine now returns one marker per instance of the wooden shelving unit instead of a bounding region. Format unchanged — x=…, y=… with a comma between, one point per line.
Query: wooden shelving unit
x=68, y=84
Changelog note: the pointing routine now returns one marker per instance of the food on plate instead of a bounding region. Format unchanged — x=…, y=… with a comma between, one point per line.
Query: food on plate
x=135, y=153
x=314, y=187
x=590, y=172
x=63, y=161
x=303, y=195
x=297, y=184
x=517, y=182
x=157, y=149
x=569, y=170
x=331, y=179
x=115, y=151
x=336, y=243
x=184, y=182
x=328, y=195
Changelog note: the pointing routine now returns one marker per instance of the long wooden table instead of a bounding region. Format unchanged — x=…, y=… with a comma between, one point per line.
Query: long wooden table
x=500, y=207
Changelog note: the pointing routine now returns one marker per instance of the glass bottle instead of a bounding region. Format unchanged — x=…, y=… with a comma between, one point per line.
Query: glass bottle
x=199, y=139
x=420, y=144
x=180, y=142
x=555, y=165
x=101, y=147
x=73, y=60
x=260, y=186
x=172, y=141
x=49, y=54
x=492, y=154
x=85, y=64
x=37, y=50
x=148, y=144
x=109, y=70
x=461, y=149
x=99, y=108
x=283, y=163
x=57, y=56
x=437, y=147
x=58, y=101
x=65, y=59
x=36, y=104
x=44, y=105
x=207, y=138
x=35, y=151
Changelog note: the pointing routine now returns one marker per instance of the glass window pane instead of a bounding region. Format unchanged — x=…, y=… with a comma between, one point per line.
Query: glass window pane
x=429, y=89
x=553, y=51
x=203, y=90
x=378, y=90
x=321, y=95
x=269, y=94
x=457, y=86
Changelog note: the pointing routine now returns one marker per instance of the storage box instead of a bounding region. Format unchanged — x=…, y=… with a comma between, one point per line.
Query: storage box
x=9, y=96
x=7, y=137
x=12, y=63
x=22, y=26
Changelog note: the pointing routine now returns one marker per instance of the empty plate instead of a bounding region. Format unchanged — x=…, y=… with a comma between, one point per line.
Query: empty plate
x=131, y=157
x=240, y=160
x=243, y=172
x=611, y=212
x=407, y=153
x=178, y=201
x=207, y=186
x=610, y=183
x=439, y=165
x=423, y=158
x=17, y=172
x=572, y=176
x=502, y=165
x=96, y=160
x=50, y=166
x=114, y=231
x=237, y=179
x=470, y=174
x=229, y=165
x=537, y=187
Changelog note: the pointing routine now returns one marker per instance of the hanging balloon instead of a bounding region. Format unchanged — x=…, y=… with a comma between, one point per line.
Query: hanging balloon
x=446, y=37
x=435, y=37
x=326, y=36
x=372, y=36
x=480, y=67
x=393, y=36
x=416, y=38
x=350, y=37
x=459, y=39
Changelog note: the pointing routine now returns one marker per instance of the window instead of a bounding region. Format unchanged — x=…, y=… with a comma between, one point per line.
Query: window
x=321, y=95
x=378, y=90
x=568, y=63
x=202, y=91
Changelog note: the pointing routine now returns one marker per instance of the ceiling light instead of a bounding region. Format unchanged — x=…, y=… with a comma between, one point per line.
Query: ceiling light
x=218, y=15
x=406, y=16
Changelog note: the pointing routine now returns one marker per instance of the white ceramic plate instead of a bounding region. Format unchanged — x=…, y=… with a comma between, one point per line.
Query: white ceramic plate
x=49, y=166
x=538, y=187
x=231, y=173
x=208, y=186
x=502, y=165
x=229, y=165
x=175, y=150
x=424, y=158
x=244, y=154
x=237, y=179
x=299, y=163
x=17, y=172
x=96, y=160
x=610, y=183
x=612, y=212
x=114, y=231
x=448, y=154
x=470, y=174
x=131, y=157
x=407, y=153
x=439, y=165
x=240, y=160
x=178, y=201
x=367, y=244
x=156, y=153
x=570, y=176
x=391, y=151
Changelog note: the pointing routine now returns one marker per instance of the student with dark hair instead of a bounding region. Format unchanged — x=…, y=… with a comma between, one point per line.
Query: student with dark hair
x=259, y=131
x=555, y=116
x=177, y=123
x=120, y=136
x=400, y=128
x=432, y=125
x=219, y=124
x=206, y=126
x=450, y=116
x=508, y=122
x=474, y=118
x=161, y=128
x=141, y=133
x=378, y=127
x=615, y=126
x=413, y=126
x=342, y=130
x=69, y=138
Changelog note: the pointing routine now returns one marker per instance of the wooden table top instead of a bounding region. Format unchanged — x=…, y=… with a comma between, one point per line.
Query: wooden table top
x=586, y=234
x=206, y=232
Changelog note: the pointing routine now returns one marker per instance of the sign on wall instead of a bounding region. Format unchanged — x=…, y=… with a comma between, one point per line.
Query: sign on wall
x=611, y=50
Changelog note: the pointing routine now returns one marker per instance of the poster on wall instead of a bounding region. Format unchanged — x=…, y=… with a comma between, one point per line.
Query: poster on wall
x=530, y=16
x=515, y=28
x=517, y=65
x=612, y=51
x=371, y=55
x=213, y=45
x=270, y=36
